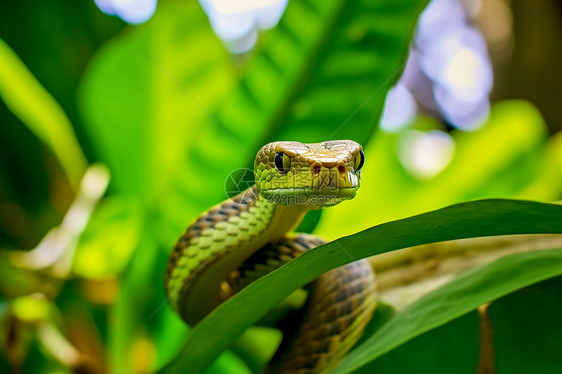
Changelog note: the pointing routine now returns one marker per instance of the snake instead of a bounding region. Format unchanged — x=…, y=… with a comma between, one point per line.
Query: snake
x=248, y=235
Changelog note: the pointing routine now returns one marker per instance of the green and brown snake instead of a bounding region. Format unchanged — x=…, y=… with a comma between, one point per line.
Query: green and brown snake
x=240, y=239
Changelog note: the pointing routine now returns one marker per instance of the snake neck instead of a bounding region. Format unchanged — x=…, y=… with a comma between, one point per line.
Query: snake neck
x=217, y=243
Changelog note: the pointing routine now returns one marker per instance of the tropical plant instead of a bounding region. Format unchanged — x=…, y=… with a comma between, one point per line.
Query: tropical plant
x=169, y=114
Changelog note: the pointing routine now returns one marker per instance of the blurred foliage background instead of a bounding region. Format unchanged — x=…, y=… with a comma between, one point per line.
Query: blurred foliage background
x=121, y=121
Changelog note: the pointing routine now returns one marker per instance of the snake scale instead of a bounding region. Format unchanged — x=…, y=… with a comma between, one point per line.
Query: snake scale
x=244, y=237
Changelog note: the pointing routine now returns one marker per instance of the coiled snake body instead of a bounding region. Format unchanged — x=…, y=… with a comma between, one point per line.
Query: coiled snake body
x=244, y=237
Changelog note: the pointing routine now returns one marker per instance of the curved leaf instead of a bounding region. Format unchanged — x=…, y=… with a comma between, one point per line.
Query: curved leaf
x=40, y=112
x=479, y=218
x=460, y=296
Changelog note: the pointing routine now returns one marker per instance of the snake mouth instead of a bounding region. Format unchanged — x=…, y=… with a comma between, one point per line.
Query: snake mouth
x=318, y=196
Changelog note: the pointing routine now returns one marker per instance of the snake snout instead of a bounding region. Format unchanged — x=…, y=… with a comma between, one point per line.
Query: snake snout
x=336, y=177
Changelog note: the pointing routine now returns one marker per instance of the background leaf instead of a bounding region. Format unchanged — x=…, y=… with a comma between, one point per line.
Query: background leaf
x=106, y=246
x=37, y=109
x=324, y=71
x=527, y=328
x=455, y=344
x=455, y=299
x=146, y=135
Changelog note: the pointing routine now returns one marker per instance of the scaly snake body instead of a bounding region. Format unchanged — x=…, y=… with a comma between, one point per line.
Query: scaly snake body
x=242, y=238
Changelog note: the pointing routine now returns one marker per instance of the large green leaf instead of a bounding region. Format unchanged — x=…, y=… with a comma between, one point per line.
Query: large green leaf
x=324, y=71
x=147, y=129
x=40, y=112
x=479, y=218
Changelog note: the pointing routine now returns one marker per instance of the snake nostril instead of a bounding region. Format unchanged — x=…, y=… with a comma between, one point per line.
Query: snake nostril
x=316, y=170
x=341, y=169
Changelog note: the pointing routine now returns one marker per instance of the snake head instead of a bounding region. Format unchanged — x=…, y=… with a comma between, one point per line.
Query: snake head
x=317, y=174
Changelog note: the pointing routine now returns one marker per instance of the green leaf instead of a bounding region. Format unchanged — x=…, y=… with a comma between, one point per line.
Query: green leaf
x=146, y=128
x=455, y=344
x=135, y=101
x=463, y=294
x=548, y=184
x=527, y=328
x=108, y=241
x=323, y=72
x=40, y=112
x=479, y=218
x=128, y=322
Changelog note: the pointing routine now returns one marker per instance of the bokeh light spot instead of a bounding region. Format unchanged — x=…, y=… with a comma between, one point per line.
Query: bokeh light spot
x=425, y=154
x=130, y=11
x=463, y=69
x=399, y=109
x=236, y=23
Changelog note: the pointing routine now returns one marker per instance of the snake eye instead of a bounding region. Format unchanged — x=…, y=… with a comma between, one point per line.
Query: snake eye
x=282, y=162
x=359, y=160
